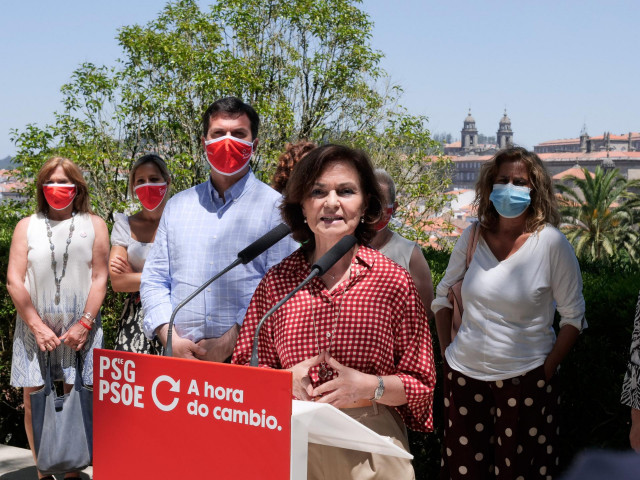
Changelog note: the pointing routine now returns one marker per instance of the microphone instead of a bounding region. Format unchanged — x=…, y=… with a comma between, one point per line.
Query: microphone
x=263, y=243
x=325, y=262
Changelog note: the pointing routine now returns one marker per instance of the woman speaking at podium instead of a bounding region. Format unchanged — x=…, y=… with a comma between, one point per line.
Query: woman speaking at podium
x=356, y=337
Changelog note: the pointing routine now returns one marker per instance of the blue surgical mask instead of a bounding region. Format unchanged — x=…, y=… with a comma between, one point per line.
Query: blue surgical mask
x=510, y=201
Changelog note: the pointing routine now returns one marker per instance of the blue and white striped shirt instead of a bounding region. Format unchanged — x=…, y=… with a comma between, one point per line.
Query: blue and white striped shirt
x=198, y=236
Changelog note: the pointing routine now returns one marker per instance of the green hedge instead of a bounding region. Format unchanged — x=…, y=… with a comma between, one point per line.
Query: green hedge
x=591, y=375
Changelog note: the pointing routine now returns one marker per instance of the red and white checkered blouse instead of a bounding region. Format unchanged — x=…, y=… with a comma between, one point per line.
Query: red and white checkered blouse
x=381, y=329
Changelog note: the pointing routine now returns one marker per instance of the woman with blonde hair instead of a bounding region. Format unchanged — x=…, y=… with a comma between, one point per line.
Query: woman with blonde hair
x=57, y=279
x=501, y=393
x=131, y=239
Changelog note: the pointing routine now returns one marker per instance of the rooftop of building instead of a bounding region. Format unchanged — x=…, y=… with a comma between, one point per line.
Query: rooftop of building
x=575, y=171
x=591, y=156
x=573, y=141
x=470, y=158
x=574, y=157
x=562, y=141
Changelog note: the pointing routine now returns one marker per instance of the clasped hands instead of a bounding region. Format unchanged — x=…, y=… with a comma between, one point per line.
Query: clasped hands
x=74, y=338
x=346, y=388
x=208, y=349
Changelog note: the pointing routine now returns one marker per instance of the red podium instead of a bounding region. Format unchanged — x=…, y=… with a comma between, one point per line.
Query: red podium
x=166, y=418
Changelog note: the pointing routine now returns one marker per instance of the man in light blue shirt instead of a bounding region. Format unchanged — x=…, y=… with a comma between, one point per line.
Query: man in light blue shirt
x=201, y=231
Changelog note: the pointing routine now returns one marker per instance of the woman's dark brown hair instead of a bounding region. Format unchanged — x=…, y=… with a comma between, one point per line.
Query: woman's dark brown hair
x=71, y=170
x=303, y=178
x=287, y=160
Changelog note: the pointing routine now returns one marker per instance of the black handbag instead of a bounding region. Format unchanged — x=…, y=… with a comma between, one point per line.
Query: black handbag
x=62, y=425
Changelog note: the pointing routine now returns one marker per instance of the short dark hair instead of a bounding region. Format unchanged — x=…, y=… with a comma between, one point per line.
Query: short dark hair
x=233, y=107
x=303, y=178
x=385, y=179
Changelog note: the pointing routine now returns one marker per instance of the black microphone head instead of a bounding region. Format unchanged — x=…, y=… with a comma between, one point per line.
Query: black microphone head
x=334, y=254
x=266, y=241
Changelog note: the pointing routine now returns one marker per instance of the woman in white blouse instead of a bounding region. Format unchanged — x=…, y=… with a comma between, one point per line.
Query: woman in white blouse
x=131, y=239
x=500, y=385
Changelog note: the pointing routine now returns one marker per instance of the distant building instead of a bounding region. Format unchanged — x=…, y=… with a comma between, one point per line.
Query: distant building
x=467, y=167
x=10, y=189
x=627, y=162
x=608, y=151
x=470, y=140
x=606, y=142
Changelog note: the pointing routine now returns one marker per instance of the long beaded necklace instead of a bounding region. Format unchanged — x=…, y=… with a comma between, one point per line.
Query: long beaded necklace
x=65, y=256
x=323, y=370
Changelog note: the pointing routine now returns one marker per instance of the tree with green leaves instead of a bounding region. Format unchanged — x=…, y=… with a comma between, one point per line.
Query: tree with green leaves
x=600, y=214
x=306, y=66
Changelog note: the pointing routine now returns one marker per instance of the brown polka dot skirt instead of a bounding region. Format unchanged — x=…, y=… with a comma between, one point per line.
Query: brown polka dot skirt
x=504, y=430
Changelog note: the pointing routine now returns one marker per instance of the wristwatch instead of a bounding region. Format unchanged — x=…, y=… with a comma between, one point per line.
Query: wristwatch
x=377, y=395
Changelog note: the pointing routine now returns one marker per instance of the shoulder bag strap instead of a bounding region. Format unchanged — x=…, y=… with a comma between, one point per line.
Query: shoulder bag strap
x=79, y=383
x=471, y=246
x=48, y=383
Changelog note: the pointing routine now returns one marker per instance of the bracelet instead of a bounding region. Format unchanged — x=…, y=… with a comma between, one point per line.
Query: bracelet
x=89, y=317
x=84, y=324
x=379, y=391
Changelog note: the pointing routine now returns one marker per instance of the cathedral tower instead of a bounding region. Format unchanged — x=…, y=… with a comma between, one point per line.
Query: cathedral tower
x=504, y=135
x=469, y=133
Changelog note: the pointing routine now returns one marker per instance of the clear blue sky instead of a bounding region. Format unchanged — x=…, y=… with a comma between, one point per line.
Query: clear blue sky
x=553, y=64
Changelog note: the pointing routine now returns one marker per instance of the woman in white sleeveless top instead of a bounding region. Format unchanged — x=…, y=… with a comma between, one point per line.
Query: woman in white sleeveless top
x=57, y=279
x=131, y=239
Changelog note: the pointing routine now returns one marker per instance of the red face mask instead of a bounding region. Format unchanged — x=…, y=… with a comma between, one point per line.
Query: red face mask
x=386, y=217
x=151, y=194
x=59, y=195
x=228, y=155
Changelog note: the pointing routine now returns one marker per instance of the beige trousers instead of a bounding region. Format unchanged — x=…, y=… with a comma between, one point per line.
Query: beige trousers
x=332, y=463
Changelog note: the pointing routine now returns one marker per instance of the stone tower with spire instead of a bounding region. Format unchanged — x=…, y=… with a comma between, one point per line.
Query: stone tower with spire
x=585, y=142
x=469, y=133
x=504, y=135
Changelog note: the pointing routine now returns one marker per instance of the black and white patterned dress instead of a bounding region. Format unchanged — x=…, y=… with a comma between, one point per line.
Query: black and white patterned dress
x=630, y=387
x=130, y=335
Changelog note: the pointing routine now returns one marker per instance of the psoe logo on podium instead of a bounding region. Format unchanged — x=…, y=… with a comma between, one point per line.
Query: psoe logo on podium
x=157, y=417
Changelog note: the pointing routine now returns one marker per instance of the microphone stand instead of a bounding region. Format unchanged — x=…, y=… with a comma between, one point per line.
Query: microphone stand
x=168, y=350
x=327, y=261
x=265, y=242
x=254, y=350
